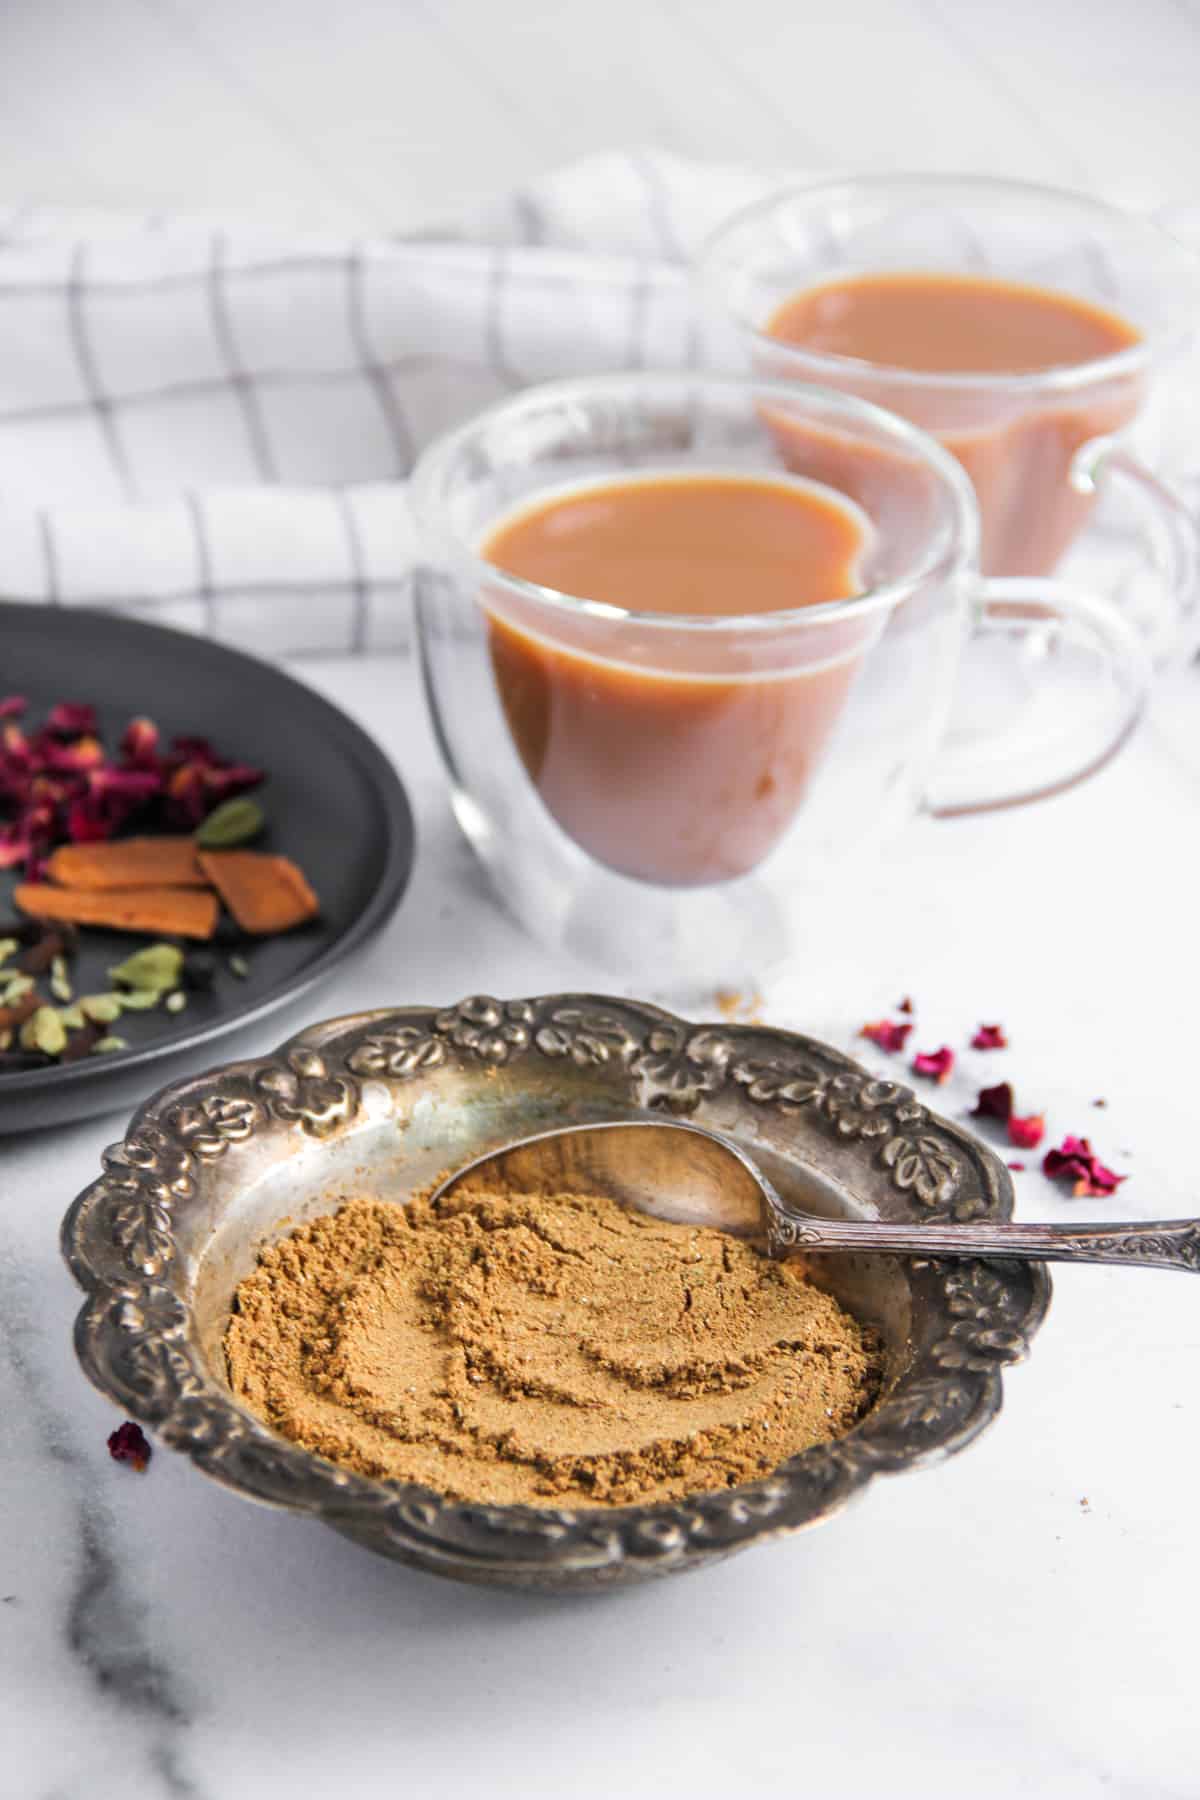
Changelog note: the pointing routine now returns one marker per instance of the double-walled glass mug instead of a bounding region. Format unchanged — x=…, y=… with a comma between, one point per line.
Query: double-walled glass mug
x=1041, y=445
x=647, y=788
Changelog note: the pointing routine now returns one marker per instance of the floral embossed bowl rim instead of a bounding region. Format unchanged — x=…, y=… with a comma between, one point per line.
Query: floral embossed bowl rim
x=213, y=1166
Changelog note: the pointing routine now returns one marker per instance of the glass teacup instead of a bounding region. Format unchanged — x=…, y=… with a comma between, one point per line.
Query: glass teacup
x=602, y=773
x=1039, y=444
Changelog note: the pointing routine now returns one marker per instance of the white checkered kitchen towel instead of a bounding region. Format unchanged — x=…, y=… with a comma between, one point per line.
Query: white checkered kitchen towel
x=211, y=428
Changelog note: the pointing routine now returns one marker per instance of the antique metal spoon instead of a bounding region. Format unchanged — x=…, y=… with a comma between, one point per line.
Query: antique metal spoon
x=686, y=1172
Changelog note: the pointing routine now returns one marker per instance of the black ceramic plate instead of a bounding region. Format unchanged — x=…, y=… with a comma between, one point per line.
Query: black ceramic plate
x=333, y=801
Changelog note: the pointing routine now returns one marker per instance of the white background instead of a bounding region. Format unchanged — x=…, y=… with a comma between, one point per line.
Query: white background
x=378, y=114
x=1019, y=1622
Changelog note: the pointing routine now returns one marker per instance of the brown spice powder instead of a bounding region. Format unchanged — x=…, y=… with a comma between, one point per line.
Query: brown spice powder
x=546, y=1349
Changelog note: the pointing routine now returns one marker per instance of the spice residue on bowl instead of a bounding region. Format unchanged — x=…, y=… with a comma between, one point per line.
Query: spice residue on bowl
x=546, y=1349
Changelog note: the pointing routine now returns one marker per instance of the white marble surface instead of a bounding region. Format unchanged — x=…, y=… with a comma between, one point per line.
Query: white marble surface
x=1020, y=1620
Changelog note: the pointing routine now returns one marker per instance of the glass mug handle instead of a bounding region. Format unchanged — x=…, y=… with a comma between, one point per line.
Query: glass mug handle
x=1070, y=677
x=1174, y=537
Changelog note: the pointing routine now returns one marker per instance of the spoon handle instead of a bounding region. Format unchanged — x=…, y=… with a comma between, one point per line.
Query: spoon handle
x=1161, y=1244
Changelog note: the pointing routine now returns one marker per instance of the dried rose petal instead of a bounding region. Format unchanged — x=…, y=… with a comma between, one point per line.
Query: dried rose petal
x=139, y=743
x=905, y=1005
x=1026, y=1133
x=1075, y=1161
x=17, y=755
x=12, y=706
x=14, y=845
x=194, y=750
x=128, y=1443
x=88, y=822
x=71, y=718
x=129, y=784
x=989, y=1037
x=59, y=785
x=888, y=1035
x=76, y=757
x=1014, y=1165
x=186, y=800
x=936, y=1064
x=994, y=1102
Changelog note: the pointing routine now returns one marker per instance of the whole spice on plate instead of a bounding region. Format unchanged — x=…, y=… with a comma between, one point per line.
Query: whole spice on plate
x=43, y=1030
x=552, y=1349
x=127, y=863
x=182, y=912
x=60, y=785
x=100, y=1009
x=235, y=822
x=265, y=894
x=155, y=969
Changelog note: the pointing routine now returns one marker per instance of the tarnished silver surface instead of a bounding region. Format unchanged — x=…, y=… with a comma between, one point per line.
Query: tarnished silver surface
x=692, y=1171
x=383, y=1103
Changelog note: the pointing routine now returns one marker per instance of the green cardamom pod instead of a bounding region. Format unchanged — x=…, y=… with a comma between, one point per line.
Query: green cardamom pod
x=44, y=1031
x=108, y=1044
x=233, y=822
x=60, y=980
x=101, y=1009
x=138, y=999
x=157, y=967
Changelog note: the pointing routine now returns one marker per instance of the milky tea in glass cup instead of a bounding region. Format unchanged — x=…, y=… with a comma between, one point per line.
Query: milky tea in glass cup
x=644, y=782
x=1028, y=329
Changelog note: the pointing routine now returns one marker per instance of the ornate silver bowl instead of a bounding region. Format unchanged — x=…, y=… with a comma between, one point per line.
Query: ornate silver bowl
x=382, y=1102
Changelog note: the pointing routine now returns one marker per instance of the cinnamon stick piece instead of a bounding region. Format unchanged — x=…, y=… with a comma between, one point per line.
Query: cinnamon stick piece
x=163, y=911
x=127, y=863
x=265, y=894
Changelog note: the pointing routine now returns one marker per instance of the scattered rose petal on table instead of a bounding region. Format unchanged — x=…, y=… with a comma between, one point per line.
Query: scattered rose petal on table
x=937, y=1065
x=1026, y=1133
x=994, y=1103
x=989, y=1037
x=128, y=1443
x=888, y=1034
x=1075, y=1161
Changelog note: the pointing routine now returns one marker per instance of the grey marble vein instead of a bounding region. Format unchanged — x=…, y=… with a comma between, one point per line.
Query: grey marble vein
x=105, y=1625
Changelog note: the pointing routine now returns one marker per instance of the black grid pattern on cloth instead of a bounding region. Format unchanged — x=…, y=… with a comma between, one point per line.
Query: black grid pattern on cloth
x=239, y=380
x=185, y=333
x=97, y=399
x=205, y=591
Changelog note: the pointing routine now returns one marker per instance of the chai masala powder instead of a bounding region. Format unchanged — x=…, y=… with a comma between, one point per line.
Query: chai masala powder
x=551, y=1349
